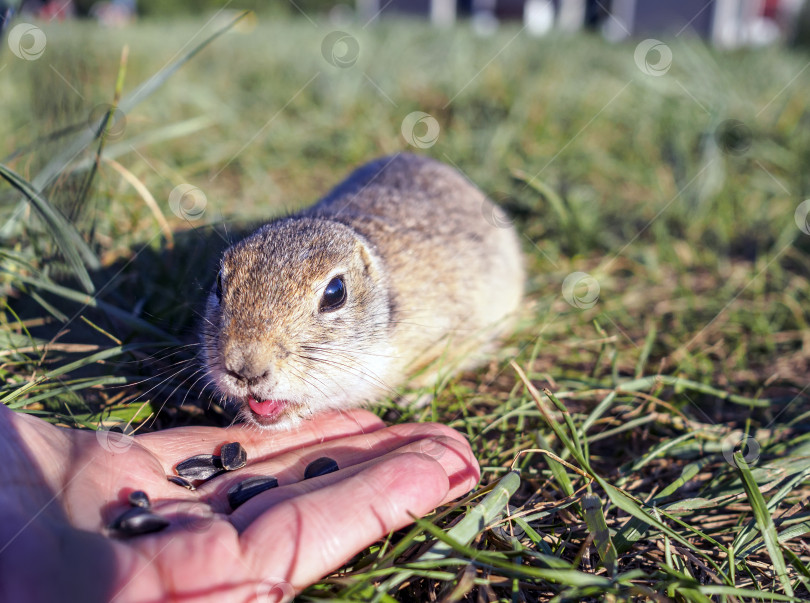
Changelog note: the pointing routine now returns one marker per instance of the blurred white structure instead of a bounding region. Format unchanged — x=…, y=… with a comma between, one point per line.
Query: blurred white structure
x=742, y=22
x=539, y=16
x=726, y=23
x=571, y=14
x=443, y=12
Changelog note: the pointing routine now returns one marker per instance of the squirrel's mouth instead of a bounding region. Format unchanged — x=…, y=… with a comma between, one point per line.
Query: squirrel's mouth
x=267, y=410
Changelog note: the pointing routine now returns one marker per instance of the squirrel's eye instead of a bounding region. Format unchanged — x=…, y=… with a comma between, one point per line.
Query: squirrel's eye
x=219, y=286
x=334, y=296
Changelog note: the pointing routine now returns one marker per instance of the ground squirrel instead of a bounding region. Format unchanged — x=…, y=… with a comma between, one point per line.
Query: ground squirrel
x=403, y=269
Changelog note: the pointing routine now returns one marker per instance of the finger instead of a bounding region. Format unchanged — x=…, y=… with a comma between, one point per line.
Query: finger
x=289, y=467
x=454, y=456
x=177, y=444
x=33, y=454
x=27, y=445
x=308, y=536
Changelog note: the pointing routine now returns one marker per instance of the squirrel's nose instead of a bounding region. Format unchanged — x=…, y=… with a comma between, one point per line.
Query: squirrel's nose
x=249, y=374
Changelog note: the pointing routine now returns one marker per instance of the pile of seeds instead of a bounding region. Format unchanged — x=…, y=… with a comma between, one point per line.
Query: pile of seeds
x=139, y=519
x=232, y=456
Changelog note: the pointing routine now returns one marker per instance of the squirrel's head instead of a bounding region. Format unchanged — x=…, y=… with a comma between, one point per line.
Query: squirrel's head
x=297, y=322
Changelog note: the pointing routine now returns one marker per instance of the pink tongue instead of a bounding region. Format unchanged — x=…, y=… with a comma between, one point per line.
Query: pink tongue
x=266, y=408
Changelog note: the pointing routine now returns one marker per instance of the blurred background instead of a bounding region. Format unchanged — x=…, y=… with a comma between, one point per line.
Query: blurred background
x=727, y=23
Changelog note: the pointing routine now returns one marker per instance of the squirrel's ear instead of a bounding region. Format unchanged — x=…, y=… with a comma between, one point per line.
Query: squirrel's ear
x=370, y=259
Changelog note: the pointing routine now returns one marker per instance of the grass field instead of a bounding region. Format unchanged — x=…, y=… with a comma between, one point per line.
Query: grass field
x=666, y=321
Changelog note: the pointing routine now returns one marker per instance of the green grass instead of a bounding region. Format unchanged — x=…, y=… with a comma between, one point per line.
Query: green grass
x=622, y=418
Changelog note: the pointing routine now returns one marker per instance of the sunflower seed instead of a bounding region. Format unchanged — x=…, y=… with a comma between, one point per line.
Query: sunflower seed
x=136, y=521
x=320, y=466
x=233, y=456
x=180, y=481
x=138, y=498
x=247, y=489
x=200, y=467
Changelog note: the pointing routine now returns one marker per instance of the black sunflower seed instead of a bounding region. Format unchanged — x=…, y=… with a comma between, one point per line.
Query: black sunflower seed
x=180, y=481
x=138, y=498
x=247, y=489
x=232, y=456
x=320, y=466
x=200, y=467
x=136, y=521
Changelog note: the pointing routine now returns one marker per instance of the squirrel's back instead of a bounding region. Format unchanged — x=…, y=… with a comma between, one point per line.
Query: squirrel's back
x=453, y=259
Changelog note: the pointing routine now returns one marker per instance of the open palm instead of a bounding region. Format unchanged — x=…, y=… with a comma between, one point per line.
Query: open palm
x=60, y=489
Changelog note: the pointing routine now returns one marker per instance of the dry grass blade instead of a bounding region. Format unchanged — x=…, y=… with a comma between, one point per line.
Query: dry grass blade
x=147, y=197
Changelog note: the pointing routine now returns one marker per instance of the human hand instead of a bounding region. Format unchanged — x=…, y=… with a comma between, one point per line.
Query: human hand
x=60, y=488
